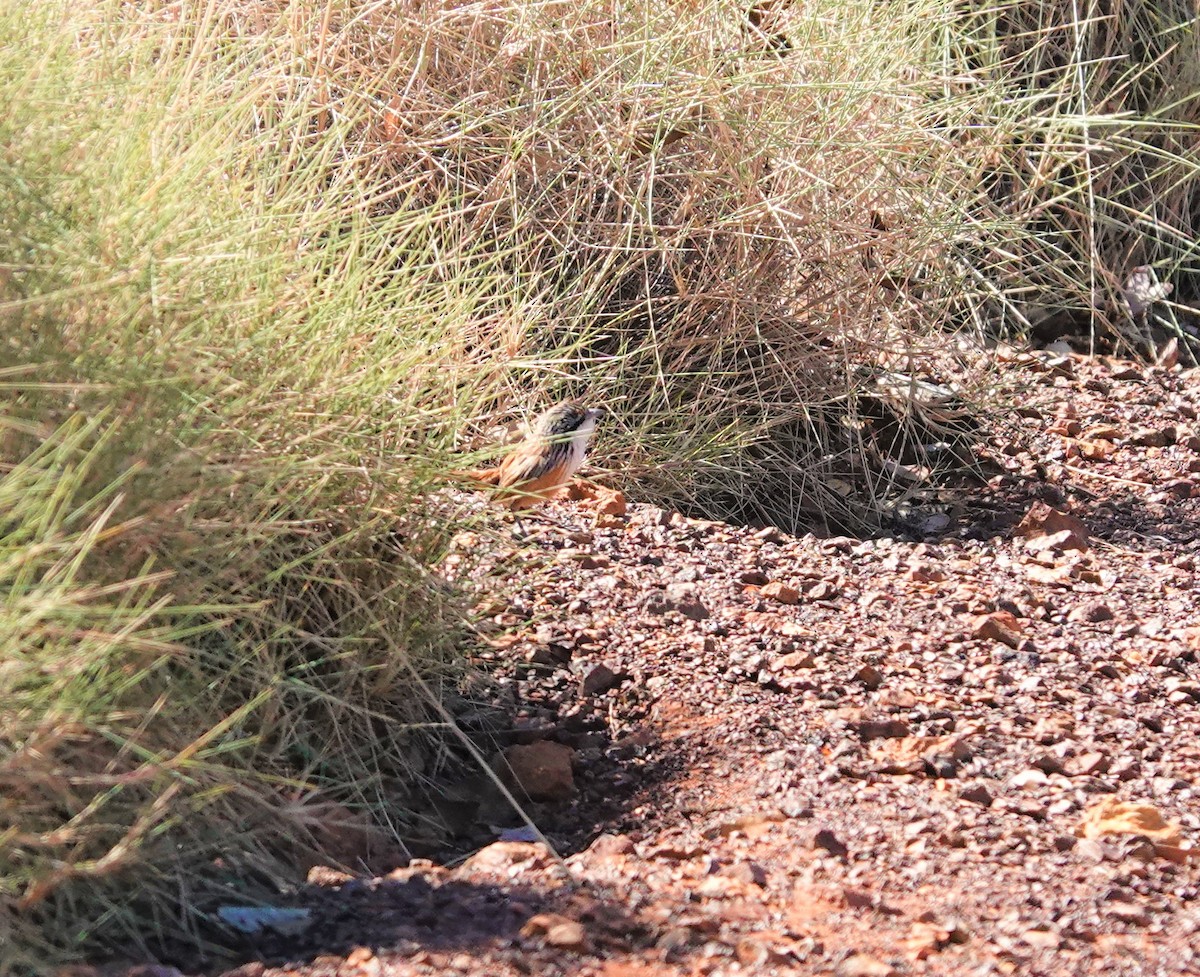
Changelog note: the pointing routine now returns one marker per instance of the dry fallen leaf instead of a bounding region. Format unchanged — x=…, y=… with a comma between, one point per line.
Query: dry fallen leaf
x=912, y=754
x=1110, y=816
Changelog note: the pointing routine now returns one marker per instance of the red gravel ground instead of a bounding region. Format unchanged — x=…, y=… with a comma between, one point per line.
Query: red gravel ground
x=765, y=754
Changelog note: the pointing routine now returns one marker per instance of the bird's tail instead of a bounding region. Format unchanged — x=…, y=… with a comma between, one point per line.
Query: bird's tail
x=485, y=476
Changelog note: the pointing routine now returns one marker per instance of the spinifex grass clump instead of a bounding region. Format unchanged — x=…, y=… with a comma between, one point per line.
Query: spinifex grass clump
x=1085, y=141
x=723, y=241
x=216, y=625
x=196, y=689
x=743, y=228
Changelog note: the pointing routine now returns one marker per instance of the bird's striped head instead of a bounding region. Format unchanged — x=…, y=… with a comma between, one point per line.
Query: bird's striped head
x=563, y=420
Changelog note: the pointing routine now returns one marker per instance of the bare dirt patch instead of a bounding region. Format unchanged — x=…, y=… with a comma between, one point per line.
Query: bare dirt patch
x=832, y=755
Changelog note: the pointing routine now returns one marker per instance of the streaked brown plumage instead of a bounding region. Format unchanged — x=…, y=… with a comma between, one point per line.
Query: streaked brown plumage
x=545, y=460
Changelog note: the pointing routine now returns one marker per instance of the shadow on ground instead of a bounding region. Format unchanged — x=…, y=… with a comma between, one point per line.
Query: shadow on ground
x=424, y=917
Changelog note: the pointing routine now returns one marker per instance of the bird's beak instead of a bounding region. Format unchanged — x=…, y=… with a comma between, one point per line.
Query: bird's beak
x=597, y=413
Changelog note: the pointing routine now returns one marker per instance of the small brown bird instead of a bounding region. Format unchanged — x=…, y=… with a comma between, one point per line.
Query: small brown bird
x=546, y=459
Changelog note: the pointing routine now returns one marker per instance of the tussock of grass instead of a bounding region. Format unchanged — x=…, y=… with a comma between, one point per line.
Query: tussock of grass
x=186, y=697
x=215, y=604
x=265, y=267
x=1085, y=144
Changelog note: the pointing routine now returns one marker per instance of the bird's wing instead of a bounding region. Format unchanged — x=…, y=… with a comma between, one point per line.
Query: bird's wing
x=525, y=464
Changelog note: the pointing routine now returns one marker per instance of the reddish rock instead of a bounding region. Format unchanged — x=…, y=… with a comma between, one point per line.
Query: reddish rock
x=1042, y=520
x=599, y=678
x=609, y=844
x=780, y=592
x=749, y=872
x=685, y=598
x=503, y=856
x=977, y=794
x=792, y=660
x=1000, y=626
x=557, y=931
x=1088, y=765
x=865, y=965
x=542, y=770
x=1093, y=612
x=870, y=676
x=826, y=839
